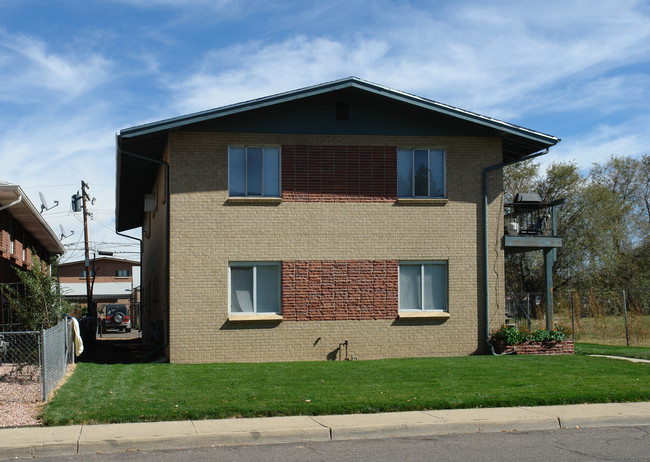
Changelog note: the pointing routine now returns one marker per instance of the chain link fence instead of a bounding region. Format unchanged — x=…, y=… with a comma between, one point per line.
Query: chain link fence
x=32, y=364
x=612, y=317
x=9, y=319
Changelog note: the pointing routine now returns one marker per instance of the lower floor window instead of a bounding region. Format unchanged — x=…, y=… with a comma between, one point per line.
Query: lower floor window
x=423, y=286
x=254, y=288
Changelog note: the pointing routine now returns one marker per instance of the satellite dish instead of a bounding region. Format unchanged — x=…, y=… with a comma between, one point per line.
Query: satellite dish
x=63, y=235
x=44, y=206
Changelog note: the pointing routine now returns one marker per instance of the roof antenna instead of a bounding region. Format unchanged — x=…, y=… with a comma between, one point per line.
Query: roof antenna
x=44, y=206
x=63, y=235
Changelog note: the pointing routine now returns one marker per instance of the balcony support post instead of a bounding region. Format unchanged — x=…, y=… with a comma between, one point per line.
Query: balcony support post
x=549, y=254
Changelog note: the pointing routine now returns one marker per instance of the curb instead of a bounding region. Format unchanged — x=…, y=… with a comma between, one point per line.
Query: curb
x=94, y=439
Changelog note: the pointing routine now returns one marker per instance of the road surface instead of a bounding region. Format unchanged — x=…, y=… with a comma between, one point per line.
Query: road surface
x=577, y=444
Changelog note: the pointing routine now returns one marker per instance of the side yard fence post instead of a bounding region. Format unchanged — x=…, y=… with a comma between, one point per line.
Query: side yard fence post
x=43, y=360
x=627, y=329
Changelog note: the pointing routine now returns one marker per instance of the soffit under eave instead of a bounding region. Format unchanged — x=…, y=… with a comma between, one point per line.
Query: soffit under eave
x=26, y=214
x=135, y=177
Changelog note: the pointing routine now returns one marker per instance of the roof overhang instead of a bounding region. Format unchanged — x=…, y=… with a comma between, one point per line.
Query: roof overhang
x=101, y=259
x=136, y=175
x=26, y=214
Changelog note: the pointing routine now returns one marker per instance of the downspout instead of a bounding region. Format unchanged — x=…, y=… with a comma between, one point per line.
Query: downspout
x=167, y=234
x=485, y=237
x=17, y=201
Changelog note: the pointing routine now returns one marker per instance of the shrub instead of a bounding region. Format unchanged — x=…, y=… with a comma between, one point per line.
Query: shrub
x=40, y=305
x=509, y=335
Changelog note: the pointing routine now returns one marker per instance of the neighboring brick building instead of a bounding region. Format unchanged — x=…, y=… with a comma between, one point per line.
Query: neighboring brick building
x=22, y=231
x=114, y=280
x=280, y=228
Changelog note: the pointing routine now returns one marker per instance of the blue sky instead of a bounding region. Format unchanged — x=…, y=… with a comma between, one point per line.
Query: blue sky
x=75, y=72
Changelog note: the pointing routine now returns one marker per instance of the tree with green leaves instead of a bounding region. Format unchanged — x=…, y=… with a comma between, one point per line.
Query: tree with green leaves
x=604, y=223
x=39, y=303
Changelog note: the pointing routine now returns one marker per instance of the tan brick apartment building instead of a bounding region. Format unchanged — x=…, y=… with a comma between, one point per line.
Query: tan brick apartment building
x=22, y=231
x=344, y=218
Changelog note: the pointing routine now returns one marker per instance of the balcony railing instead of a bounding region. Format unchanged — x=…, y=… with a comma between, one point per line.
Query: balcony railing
x=531, y=217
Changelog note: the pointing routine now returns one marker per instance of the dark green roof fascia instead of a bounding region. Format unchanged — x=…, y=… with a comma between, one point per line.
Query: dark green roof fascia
x=350, y=82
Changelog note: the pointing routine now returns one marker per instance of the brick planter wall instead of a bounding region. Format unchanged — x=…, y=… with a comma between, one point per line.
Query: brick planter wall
x=564, y=347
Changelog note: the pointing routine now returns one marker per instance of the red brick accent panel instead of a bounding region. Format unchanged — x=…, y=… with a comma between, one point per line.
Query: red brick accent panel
x=339, y=173
x=339, y=290
x=564, y=347
x=4, y=242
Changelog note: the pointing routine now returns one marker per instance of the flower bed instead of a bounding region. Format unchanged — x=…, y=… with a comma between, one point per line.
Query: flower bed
x=552, y=347
x=511, y=340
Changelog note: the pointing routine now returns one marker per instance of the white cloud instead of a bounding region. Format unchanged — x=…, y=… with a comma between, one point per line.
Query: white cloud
x=630, y=138
x=26, y=67
x=251, y=70
x=493, y=60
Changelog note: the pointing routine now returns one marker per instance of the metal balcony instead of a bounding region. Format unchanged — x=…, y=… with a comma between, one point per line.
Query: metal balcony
x=531, y=224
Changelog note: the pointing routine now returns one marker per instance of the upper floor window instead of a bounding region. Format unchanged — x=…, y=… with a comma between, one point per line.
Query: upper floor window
x=254, y=171
x=421, y=173
x=82, y=274
x=122, y=273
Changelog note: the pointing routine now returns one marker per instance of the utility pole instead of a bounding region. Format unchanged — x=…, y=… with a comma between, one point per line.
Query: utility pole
x=79, y=204
x=89, y=293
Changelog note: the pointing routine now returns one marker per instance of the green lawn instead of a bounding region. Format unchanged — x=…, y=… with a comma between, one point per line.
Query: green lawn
x=612, y=350
x=155, y=392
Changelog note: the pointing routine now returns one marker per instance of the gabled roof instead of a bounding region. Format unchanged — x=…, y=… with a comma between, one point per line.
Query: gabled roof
x=350, y=82
x=26, y=214
x=135, y=177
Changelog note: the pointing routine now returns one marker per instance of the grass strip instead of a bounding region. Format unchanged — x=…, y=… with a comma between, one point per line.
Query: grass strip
x=160, y=392
x=612, y=350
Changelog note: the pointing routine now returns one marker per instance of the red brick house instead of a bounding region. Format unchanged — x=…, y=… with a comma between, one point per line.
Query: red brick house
x=22, y=231
x=343, y=215
x=114, y=279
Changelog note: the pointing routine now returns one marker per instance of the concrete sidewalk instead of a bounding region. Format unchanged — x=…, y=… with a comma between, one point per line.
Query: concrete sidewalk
x=92, y=439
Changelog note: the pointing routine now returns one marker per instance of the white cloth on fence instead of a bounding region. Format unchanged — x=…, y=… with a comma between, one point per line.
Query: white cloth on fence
x=78, y=343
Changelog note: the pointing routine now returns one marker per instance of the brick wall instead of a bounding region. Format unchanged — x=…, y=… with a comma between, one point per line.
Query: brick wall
x=104, y=270
x=339, y=290
x=22, y=252
x=208, y=232
x=339, y=173
x=564, y=347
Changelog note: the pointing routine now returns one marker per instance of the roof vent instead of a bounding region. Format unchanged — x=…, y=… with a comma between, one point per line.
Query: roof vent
x=342, y=111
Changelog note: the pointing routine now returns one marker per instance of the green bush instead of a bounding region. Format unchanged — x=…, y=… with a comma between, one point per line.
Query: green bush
x=509, y=335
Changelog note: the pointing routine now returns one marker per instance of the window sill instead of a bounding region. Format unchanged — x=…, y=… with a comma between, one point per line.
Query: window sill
x=423, y=315
x=422, y=201
x=254, y=317
x=254, y=200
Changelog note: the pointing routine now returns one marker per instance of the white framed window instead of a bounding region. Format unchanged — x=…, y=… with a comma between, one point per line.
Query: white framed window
x=255, y=288
x=421, y=173
x=82, y=274
x=123, y=273
x=423, y=286
x=254, y=171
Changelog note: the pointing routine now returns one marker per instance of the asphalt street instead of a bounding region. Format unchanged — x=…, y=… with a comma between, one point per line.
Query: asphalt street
x=574, y=444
